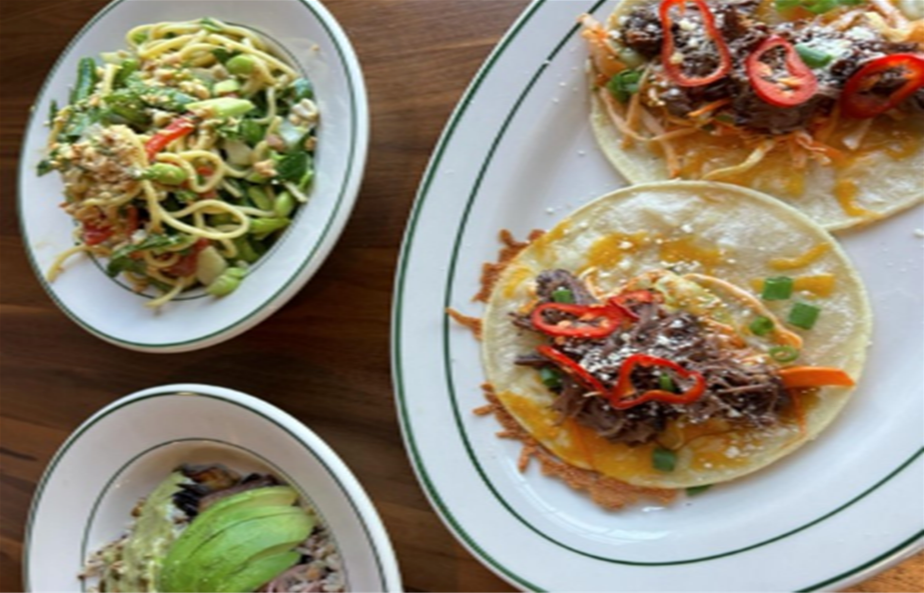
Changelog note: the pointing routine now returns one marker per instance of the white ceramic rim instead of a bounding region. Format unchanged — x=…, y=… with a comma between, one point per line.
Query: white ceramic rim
x=333, y=226
x=352, y=490
x=410, y=407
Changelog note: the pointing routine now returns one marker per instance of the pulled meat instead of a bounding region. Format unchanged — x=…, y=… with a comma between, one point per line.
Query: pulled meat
x=739, y=390
x=642, y=31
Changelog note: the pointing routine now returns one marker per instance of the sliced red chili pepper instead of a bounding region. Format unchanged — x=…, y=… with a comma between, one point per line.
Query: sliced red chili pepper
x=794, y=87
x=671, y=57
x=860, y=99
x=94, y=235
x=178, y=128
x=575, y=370
x=609, y=317
x=621, y=396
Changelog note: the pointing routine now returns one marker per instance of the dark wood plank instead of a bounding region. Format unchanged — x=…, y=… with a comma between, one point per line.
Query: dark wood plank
x=418, y=57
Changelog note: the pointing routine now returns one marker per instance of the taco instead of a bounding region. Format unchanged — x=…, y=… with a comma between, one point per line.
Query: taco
x=819, y=103
x=676, y=334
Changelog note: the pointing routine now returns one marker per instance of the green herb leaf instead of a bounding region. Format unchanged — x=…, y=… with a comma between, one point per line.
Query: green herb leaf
x=294, y=166
x=550, y=377
x=663, y=460
x=761, y=326
x=625, y=84
x=813, y=58
x=803, y=315
x=777, y=289
x=301, y=89
x=563, y=295
x=665, y=383
x=223, y=55
x=122, y=261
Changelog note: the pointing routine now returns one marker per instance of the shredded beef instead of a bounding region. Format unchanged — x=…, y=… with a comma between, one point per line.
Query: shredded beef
x=743, y=393
x=641, y=30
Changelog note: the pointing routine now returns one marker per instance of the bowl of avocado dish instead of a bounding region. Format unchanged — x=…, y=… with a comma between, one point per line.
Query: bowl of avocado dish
x=209, y=528
x=193, y=487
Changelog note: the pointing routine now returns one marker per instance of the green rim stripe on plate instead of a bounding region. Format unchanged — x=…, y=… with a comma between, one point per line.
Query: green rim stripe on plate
x=46, y=476
x=407, y=433
x=326, y=22
x=419, y=467
x=277, y=472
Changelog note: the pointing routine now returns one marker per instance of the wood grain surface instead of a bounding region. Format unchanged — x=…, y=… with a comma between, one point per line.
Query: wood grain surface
x=418, y=57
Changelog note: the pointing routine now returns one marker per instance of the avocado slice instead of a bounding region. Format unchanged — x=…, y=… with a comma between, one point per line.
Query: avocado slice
x=246, y=542
x=265, y=496
x=257, y=573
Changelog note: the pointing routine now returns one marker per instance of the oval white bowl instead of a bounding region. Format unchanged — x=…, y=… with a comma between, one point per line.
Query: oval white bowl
x=122, y=452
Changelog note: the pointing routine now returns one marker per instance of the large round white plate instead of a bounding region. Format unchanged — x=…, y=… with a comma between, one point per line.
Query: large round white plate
x=313, y=40
x=122, y=452
x=518, y=154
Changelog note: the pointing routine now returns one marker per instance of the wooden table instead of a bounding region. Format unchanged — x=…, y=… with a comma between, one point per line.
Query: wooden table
x=418, y=57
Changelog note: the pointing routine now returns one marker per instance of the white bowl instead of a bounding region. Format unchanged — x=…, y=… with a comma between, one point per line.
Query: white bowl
x=110, y=309
x=122, y=452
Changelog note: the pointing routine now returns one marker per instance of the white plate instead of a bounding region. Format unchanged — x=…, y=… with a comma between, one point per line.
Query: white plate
x=518, y=154
x=313, y=40
x=122, y=452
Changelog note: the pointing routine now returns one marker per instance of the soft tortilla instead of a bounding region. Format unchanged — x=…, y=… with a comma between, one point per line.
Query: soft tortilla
x=877, y=182
x=723, y=230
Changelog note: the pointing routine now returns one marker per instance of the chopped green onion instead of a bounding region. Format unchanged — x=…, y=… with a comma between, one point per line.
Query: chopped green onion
x=816, y=6
x=666, y=383
x=783, y=353
x=625, y=84
x=813, y=58
x=761, y=326
x=551, y=378
x=563, y=295
x=803, y=315
x=777, y=289
x=664, y=460
x=694, y=490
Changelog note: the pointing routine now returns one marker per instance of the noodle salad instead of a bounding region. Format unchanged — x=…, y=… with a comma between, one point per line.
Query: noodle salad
x=185, y=157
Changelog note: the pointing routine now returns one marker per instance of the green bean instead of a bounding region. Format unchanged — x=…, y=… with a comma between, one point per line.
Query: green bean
x=284, y=205
x=242, y=64
x=245, y=250
x=259, y=198
x=227, y=282
x=226, y=86
x=86, y=80
x=222, y=107
x=265, y=226
x=126, y=69
x=166, y=173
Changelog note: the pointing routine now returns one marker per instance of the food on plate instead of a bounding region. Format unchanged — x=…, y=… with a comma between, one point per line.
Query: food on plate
x=676, y=335
x=207, y=528
x=819, y=103
x=185, y=157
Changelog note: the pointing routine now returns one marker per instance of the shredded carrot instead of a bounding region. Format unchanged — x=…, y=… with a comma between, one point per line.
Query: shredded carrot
x=632, y=117
x=799, y=409
x=612, y=108
x=670, y=152
x=709, y=107
x=795, y=377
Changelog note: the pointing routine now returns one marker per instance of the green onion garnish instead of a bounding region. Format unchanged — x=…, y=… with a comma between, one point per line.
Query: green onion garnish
x=562, y=295
x=550, y=377
x=761, y=326
x=694, y=490
x=625, y=84
x=666, y=383
x=783, y=353
x=664, y=460
x=816, y=6
x=777, y=289
x=803, y=315
x=813, y=58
